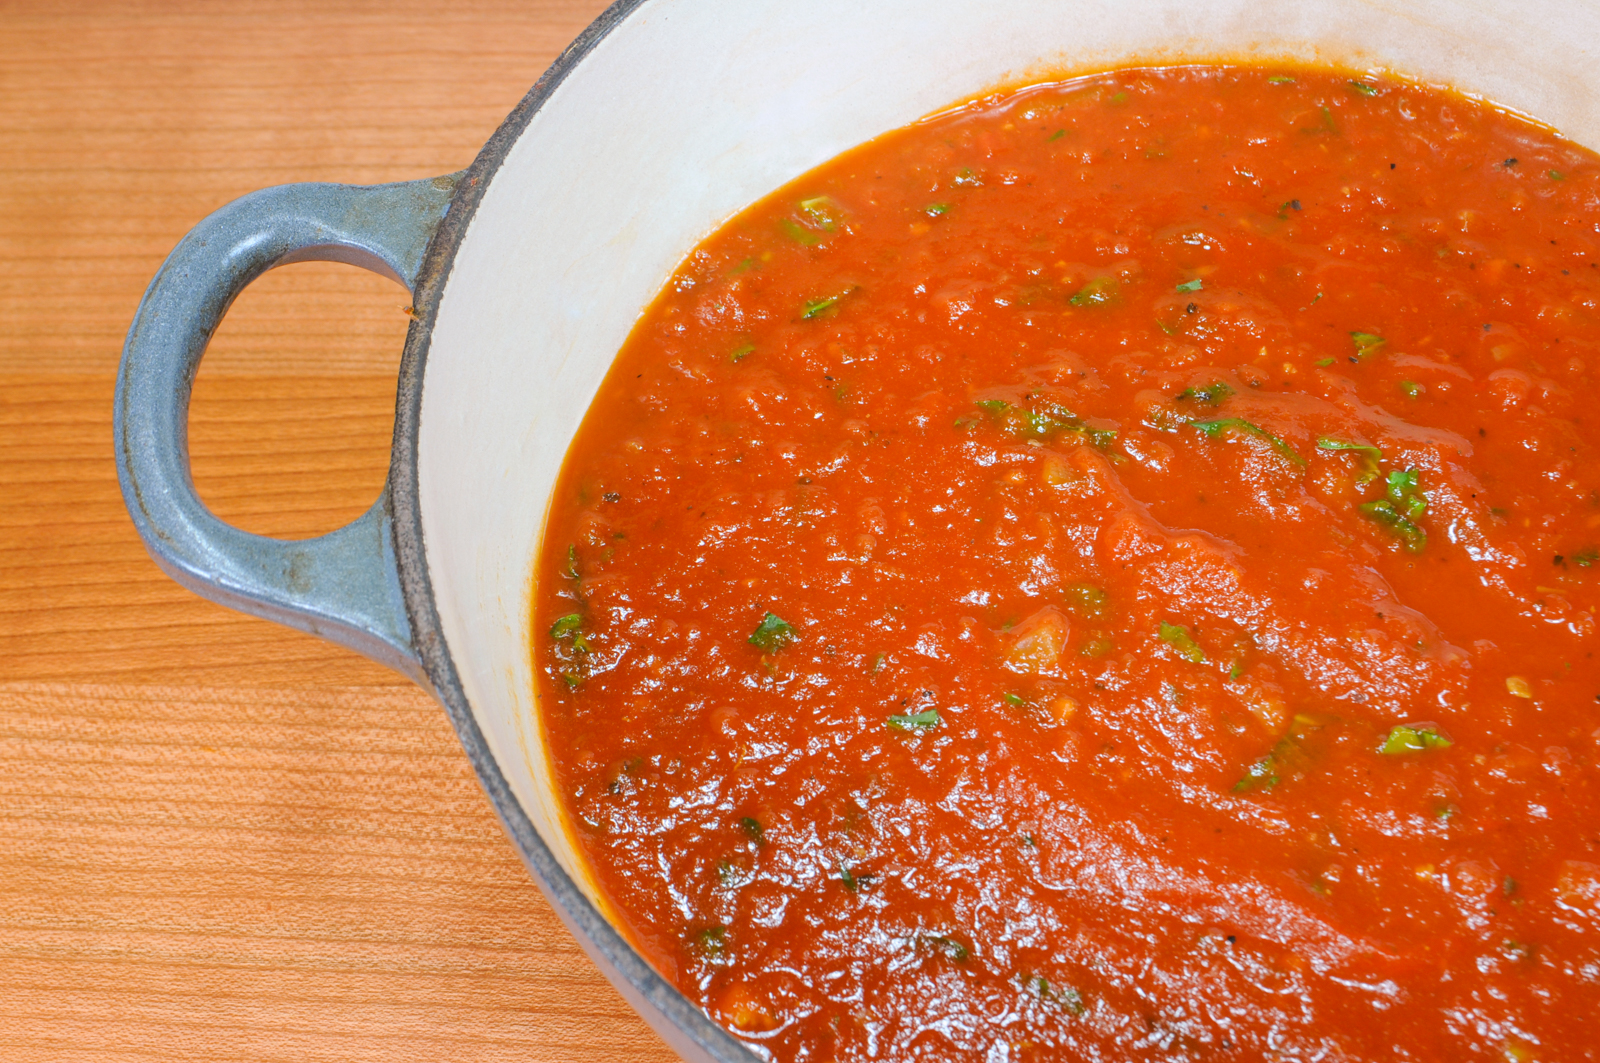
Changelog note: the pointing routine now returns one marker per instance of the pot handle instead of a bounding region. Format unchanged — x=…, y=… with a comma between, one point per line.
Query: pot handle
x=343, y=586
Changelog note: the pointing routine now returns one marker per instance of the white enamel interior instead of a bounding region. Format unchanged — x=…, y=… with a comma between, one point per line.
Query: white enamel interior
x=690, y=110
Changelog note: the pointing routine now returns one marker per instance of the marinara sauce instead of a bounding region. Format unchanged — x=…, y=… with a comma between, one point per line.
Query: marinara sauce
x=1108, y=572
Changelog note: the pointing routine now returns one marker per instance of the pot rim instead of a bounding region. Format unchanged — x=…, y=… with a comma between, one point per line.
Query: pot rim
x=667, y=1007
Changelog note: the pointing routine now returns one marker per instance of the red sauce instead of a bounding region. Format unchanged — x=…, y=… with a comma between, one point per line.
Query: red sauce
x=1109, y=572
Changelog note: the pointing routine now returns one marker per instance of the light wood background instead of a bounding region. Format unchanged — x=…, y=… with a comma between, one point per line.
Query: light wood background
x=220, y=839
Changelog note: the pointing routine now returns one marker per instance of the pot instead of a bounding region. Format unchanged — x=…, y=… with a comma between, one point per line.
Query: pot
x=528, y=269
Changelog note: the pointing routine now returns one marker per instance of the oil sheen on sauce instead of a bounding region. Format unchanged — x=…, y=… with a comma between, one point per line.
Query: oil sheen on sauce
x=1108, y=572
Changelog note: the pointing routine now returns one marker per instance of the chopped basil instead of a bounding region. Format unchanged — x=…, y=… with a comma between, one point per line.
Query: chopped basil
x=571, y=569
x=1327, y=125
x=572, y=679
x=950, y=947
x=1363, y=88
x=917, y=721
x=711, y=944
x=1190, y=286
x=1262, y=775
x=933, y=210
x=1557, y=175
x=1410, y=388
x=1207, y=395
x=1369, y=455
x=1367, y=343
x=1044, y=422
x=1324, y=362
x=1066, y=996
x=877, y=665
x=1384, y=513
x=1213, y=429
x=566, y=625
x=798, y=233
x=1097, y=644
x=743, y=351
x=1177, y=636
x=1280, y=79
x=818, y=307
x=1408, y=738
x=1057, y=135
x=1330, y=443
x=1016, y=700
x=822, y=211
x=753, y=829
x=853, y=881
x=772, y=634
x=1086, y=600
x=1401, y=488
x=1098, y=292
x=1586, y=557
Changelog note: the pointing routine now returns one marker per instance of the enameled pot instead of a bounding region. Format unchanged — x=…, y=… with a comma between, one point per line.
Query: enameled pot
x=528, y=270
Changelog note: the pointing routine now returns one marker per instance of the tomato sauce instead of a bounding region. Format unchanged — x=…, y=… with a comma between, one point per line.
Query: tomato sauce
x=1108, y=572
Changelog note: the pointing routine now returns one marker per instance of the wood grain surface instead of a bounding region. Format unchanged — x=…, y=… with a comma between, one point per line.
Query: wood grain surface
x=220, y=839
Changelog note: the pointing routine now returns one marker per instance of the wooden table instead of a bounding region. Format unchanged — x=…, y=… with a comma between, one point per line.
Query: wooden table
x=219, y=838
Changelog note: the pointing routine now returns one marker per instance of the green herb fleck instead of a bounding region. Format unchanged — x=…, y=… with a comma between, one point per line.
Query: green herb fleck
x=741, y=352
x=918, y=721
x=1330, y=443
x=878, y=660
x=1367, y=343
x=1408, y=738
x=1401, y=487
x=1101, y=291
x=1057, y=135
x=853, y=881
x=1066, y=996
x=1410, y=388
x=1086, y=600
x=1557, y=175
x=753, y=829
x=1213, y=429
x=570, y=570
x=1096, y=644
x=818, y=307
x=798, y=233
x=772, y=634
x=1262, y=775
x=1190, y=286
x=934, y=210
x=1586, y=557
x=822, y=211
x=950, y=947
x=1015, y=700
x=1177, y=636
x=1323, y=363
x=1327, y=125
x=566, y=625
x=1280, y=79
x=1363, y=88
x=1384, y=513
x=1206, y=395
x=1043, y=422
x=712, y=945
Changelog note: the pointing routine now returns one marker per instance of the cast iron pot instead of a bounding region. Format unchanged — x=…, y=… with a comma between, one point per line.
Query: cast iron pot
x=528, y=269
